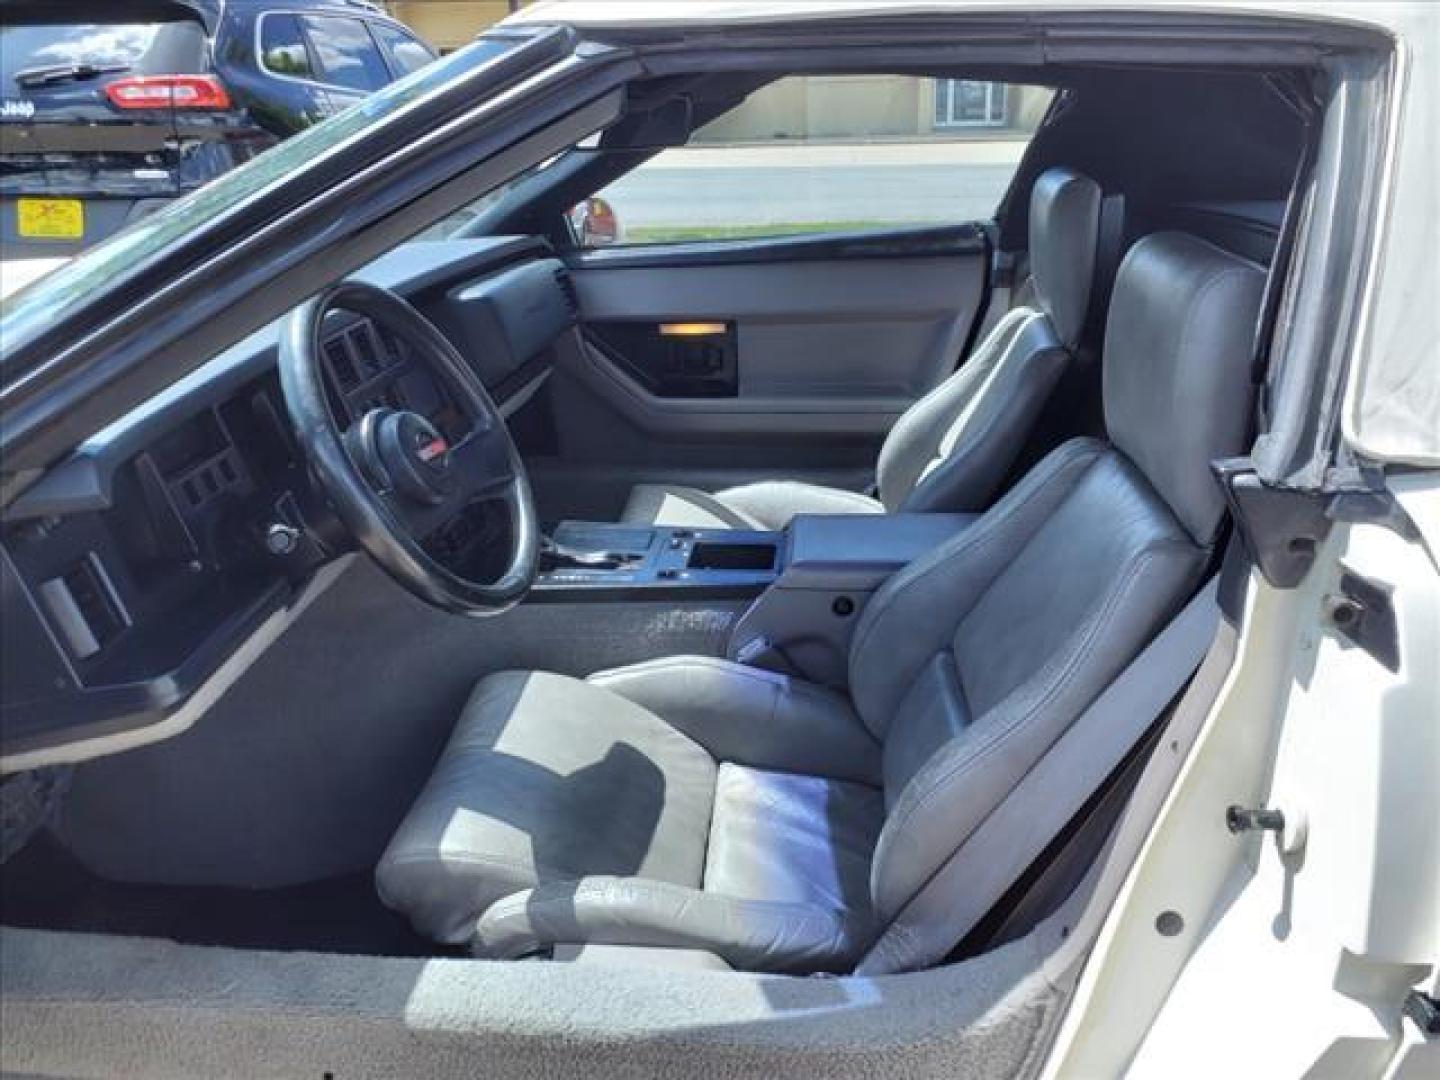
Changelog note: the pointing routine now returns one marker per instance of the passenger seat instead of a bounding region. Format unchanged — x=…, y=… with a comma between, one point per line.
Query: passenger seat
x=953, y=448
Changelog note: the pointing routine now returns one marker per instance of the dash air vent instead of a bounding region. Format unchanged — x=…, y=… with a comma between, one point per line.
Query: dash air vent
x=211, y=479
x=572, y=295
x=389, y=347
x=367, y=349
x=337, y=355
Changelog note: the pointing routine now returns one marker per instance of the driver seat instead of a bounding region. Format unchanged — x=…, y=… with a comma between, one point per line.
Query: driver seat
x=696, y=803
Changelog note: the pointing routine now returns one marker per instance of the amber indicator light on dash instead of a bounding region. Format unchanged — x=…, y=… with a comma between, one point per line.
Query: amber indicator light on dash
x=691, y=329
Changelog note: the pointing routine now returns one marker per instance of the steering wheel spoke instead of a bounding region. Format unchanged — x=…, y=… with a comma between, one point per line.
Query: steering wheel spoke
x=393, y=477
x=483, y=463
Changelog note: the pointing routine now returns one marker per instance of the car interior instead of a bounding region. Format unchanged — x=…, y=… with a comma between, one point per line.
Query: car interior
x=801, y=557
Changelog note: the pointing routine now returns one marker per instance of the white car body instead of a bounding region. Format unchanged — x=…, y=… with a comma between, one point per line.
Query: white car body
x=1301, y=950
x=1289, y=954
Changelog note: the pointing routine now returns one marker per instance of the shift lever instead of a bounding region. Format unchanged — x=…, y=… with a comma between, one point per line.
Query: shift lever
x=553, y=555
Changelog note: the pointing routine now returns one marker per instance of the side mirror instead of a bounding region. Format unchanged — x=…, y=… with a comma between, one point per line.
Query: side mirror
x=595, y=222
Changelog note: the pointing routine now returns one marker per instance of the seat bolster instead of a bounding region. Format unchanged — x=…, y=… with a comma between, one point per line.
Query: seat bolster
x=963, y=782
x=976, y=455
x=913, y=444
x=1064, y=234
x=773, y=503
x=687, y=507
x=752, y=717
x=753, y=935
x=914, y=614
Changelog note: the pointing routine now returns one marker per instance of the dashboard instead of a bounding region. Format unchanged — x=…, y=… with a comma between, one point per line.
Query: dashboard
x=367, y=368
x=137, y=568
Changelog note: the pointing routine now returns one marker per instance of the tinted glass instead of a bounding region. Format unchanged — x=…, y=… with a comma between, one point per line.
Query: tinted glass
x=407, y=53
x=347, y=54
x=134, y=48
x=282, y=46
x=827, y=154
x=32, y=310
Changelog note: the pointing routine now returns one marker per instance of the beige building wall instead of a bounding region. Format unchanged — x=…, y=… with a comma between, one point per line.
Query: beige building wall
x=812, y=107
x=837, y=108
x=449, y=24
x=823, y=107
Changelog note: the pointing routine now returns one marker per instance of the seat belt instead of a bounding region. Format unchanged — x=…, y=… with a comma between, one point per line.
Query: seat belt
x=1048, y=797
x=1109, y=251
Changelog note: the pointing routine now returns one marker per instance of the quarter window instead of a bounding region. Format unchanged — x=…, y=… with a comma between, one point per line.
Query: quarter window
x=346, y=53
x=409, y=55
x=282, y=47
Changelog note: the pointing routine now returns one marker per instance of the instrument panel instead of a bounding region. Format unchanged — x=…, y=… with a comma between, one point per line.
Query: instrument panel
x=132, y=571
x=371, y=368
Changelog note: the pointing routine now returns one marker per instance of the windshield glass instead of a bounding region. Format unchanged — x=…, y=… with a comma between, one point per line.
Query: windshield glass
x=32, y=310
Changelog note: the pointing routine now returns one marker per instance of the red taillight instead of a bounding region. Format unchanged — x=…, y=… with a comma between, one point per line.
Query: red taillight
x=166, y=91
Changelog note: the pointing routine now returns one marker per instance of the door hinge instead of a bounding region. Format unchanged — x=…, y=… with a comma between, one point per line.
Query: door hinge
x=1283, y=528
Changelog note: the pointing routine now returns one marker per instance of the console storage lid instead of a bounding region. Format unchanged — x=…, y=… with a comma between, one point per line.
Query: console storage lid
x=858, y=552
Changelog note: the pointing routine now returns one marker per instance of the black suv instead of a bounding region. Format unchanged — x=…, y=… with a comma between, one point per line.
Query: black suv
x=109, y=110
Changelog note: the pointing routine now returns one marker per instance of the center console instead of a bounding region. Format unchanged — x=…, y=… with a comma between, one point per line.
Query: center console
x=809, y=583
x=802, y=624
x=597, y=561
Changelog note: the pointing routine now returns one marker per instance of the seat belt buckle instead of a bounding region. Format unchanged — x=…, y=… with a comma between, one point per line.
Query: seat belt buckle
x=761, y=652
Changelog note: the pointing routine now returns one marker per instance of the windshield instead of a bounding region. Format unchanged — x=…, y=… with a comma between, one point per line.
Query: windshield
x=33, y=310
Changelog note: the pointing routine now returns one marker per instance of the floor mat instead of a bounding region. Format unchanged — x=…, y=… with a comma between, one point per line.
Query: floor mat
x=44, y=887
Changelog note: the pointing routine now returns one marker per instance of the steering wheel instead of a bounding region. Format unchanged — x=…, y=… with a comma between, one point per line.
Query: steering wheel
x=409, y=494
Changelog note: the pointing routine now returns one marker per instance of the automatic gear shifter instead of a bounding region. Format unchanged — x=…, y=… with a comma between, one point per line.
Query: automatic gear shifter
x=555, y=556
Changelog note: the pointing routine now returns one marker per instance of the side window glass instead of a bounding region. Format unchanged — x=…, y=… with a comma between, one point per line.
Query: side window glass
x=282, y=47
x=823, y=154
x=346, y=53
x=407, y=53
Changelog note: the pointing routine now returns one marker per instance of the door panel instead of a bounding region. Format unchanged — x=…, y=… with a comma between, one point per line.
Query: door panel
x=816, y=346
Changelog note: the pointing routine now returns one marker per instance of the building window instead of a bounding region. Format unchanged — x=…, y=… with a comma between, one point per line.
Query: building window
x=965, y=103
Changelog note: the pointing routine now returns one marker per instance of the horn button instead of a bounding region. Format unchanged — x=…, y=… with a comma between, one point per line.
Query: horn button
x=411, y=452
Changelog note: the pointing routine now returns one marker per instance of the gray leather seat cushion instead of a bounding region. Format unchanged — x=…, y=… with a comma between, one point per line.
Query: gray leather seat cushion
x=556, y=798
x=797, y=839
x=695, y=803
x=546, y=778
x=785, y=888
x=753, y=717
x=765, y=505
x=751, y=935
x=952, y=449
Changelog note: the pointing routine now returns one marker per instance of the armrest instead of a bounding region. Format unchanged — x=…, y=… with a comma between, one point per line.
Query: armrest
x=849, y=551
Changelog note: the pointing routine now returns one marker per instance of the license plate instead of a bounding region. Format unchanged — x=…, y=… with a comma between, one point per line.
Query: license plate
x=50, y=219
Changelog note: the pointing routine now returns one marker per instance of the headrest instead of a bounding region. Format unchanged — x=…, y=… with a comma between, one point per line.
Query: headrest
x=1064, y=234
x=1176, y=368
